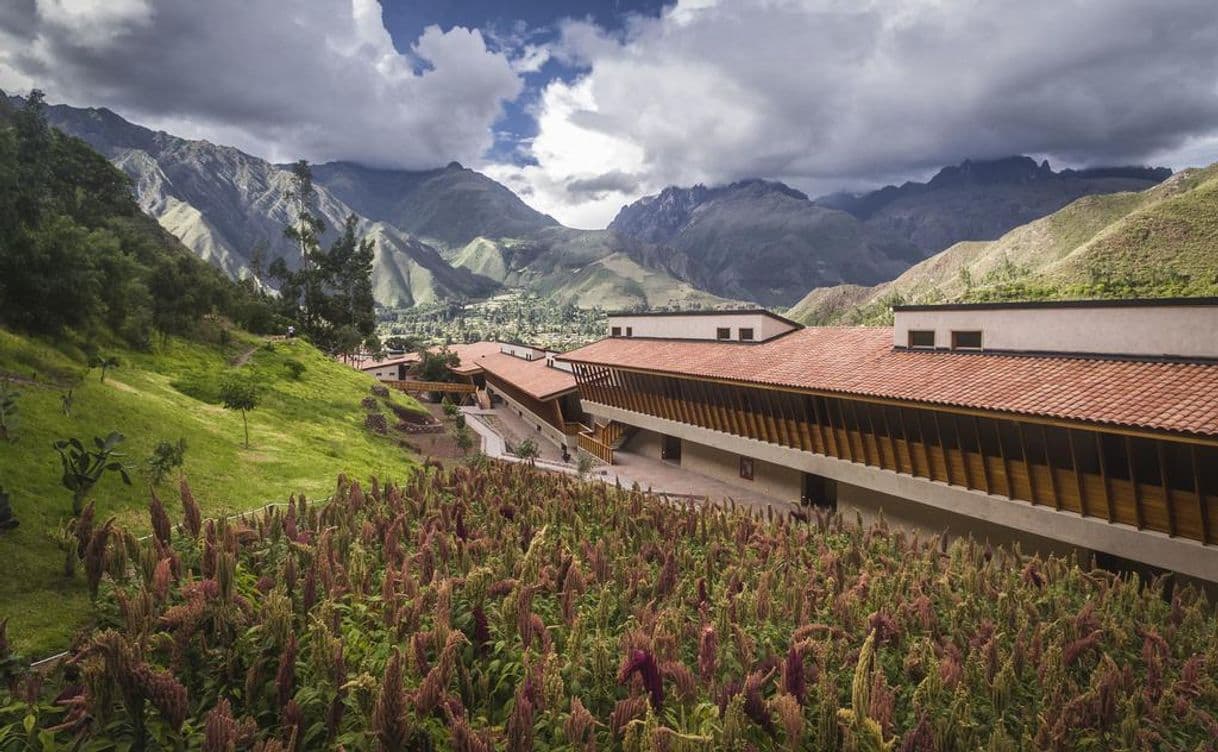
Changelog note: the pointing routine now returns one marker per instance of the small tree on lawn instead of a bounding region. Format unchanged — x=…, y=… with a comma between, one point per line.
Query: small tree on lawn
x=240, y=394
x=83, y=468
x=527, y=451
x=583, y=465
x=105, y=363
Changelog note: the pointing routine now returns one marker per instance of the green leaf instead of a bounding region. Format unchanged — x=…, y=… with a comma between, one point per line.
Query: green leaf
x=30, y=721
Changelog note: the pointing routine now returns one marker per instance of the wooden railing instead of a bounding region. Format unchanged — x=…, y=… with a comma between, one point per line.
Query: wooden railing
x=432, y=386
x=595, y=448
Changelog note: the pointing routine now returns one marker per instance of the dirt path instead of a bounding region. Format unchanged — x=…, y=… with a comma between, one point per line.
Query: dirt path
x=244, y=357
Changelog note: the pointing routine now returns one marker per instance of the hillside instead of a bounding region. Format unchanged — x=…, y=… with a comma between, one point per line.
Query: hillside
x=302, y=432
x=758, y=240
x=223, y=203
x=1159, y=242
x=983, y=199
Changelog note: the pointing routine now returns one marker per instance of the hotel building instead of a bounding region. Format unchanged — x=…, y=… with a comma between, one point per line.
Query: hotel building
x=1088, y=426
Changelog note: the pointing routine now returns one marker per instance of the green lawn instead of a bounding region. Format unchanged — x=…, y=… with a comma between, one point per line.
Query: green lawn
x=304, y=432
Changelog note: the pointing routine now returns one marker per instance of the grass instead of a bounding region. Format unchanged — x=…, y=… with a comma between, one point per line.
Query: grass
x=303, y=430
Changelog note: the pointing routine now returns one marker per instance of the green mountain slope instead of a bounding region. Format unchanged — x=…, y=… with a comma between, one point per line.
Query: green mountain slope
x=1159, y=242
x=303, y=431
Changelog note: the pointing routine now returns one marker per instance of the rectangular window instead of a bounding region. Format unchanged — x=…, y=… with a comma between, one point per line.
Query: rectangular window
x=746, y=335
x=970, y=340
x=723, y=332
x=922, y=339
x=630, y=331
x=746, y=468
x=616, y=331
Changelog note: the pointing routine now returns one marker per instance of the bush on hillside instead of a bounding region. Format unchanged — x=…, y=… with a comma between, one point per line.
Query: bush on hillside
x=501, y=608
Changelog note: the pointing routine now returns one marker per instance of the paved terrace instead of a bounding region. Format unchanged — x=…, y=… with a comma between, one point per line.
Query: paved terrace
x=659, y=476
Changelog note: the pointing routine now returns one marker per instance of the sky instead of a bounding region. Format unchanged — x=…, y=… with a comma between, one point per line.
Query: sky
x=582, y=106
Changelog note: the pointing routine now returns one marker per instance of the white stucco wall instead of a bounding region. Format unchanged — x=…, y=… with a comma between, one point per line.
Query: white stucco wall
x=522, y=351
x=770, y=479
x=388, y=373
x=1185, y=331
x=700, y=326
x=1019, y=517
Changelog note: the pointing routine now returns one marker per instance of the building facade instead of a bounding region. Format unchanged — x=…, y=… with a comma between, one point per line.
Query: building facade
x=1002, y=422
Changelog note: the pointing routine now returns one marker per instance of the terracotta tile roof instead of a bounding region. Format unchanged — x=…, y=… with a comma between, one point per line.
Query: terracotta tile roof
x=470, y=353
x=365, y=364
x=1160, y=395
x=533, y=377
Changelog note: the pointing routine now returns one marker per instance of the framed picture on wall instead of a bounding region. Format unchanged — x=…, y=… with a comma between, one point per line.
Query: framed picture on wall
x=746, y=468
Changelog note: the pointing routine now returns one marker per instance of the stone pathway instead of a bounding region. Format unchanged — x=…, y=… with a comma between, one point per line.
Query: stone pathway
x=658, y=476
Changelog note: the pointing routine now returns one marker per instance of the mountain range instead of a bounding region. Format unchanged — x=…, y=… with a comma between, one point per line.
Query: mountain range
x=1155, y=243
x=452, y=233
x=770, y=243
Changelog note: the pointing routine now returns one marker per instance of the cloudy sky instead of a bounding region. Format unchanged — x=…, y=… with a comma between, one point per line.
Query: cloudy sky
x=584, y=105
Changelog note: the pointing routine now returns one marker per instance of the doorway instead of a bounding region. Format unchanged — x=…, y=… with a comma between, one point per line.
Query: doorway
x=819, y=492
x=670, y=449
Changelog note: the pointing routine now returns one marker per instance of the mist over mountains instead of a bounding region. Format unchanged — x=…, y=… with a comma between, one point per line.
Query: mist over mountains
x=452, y=233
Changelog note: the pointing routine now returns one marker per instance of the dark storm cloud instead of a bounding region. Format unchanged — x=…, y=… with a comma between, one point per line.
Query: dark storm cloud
x=616, y=180
x=318, y=79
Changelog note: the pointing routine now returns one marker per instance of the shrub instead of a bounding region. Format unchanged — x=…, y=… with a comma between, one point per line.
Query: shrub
x=166, y=457
x=104, y=362
x=527, y=450
x=83, y=468
x=584, y=464
x=448, y=407
x=465, y=439
x=295, y=368
x=8, y=520
x=8, y=411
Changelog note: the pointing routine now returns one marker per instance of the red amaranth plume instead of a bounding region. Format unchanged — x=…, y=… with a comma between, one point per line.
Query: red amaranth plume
x=794, y=682
x=482, y=632
x=192, y=517
x=708, y=652
x=285, y=679
x=644, y=663
x=161, y=527
x=390, y=723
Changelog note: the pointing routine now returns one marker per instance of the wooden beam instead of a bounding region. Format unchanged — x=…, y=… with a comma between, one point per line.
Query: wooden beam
x=1044, y=441
x=1133, y=480
x=858, y=425
x=1008, y=483
x=1168, y=501
x=1078, y=475
x=947, y=461
x=1027, y=463
x=985, y=464
x=1099, y=451
x=1202, y=510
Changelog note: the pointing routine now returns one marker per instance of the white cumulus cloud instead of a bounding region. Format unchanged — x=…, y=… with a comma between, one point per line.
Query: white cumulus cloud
x=823, y=93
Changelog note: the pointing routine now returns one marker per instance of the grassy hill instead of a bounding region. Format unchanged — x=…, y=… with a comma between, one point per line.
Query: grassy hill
x=1157, y=243
x=303, y=432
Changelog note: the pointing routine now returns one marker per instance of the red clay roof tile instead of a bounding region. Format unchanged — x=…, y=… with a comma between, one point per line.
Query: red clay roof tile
x=1161, y=395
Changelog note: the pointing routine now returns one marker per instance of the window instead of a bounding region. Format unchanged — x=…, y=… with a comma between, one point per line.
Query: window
x=746, y=335
x=966, y=340
x=616, y=331
x=746, y=468
x=922, y=338
x=723, y=332
x=630, y=332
